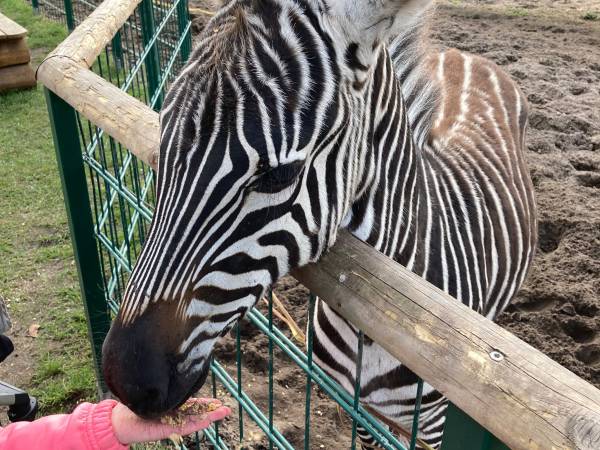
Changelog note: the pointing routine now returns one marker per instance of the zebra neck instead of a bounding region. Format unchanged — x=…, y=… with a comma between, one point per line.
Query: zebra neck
x=392, y=208
x=420, y=90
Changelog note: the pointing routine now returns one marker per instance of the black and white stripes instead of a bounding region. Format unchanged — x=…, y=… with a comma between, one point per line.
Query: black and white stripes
x=294, y=118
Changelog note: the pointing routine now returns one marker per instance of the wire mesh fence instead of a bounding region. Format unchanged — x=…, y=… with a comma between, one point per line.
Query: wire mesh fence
x=70, y=12
x=110, y=197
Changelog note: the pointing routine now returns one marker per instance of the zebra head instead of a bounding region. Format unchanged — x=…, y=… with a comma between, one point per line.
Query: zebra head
x=266, y=145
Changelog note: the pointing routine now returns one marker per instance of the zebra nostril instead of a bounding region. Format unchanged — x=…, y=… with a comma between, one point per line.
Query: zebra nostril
x=146, y=397
x=153, y=395
x=140, y=362
x=137, y=371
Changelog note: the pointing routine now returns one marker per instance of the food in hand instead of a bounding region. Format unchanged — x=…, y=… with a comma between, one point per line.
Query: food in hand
x=179, y=416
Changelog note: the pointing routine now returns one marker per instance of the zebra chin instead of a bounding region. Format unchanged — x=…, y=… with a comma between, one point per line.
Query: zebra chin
x=142, y=364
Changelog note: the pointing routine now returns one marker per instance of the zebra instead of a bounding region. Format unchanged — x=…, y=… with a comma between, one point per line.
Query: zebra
x=291, y=120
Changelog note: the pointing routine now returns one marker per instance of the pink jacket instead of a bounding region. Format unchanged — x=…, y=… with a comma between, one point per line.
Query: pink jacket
x=89, y=427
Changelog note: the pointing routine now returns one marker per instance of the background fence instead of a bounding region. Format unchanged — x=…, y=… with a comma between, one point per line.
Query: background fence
x=109, y=194
x=70, y=12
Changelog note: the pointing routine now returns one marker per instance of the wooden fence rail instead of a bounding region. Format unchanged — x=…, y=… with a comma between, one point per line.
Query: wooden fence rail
x=516, y=392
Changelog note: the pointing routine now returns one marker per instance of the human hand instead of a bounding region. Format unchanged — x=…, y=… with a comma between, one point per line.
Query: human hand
x=130, y=428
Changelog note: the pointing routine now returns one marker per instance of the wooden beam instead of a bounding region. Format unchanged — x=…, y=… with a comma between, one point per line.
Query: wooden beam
x=65, y=72
x=16, y=77
x=88, y=40
x=10, y=29
x=519, y=394
x=123, y=117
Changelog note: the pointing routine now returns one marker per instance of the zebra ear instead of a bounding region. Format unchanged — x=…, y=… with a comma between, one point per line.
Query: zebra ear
x=374, y=21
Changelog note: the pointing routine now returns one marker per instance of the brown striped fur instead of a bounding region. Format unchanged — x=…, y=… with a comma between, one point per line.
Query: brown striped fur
x=469, y=87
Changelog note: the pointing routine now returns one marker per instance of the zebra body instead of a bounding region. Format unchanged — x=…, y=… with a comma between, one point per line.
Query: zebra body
x=474, y=236
x=292, y=119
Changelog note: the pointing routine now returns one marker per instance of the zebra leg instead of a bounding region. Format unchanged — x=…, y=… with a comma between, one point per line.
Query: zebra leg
x=367, y=441
x=387, y=387
x=431, y=426
x=429, y=433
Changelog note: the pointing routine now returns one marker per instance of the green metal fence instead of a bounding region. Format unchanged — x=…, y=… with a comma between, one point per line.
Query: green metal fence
x=71, y=12
x=109, y=196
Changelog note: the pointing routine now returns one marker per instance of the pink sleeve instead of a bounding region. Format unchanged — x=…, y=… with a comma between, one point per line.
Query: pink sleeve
x=89, y=427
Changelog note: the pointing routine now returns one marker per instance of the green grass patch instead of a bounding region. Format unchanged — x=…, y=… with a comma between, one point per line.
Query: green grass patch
x=61, y=382
x=36, y=257
x=68, y=319
x=591, y=16
x=517, y=12
x=50, y=367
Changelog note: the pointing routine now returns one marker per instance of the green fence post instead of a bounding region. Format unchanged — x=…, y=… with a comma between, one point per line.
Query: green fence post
x=152, y=61
x=75, y=190
x=183, y=19
x=461, y=432
x=69, y=15
x=36, y=6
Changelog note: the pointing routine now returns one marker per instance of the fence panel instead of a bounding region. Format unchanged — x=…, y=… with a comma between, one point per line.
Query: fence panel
x=70, y=12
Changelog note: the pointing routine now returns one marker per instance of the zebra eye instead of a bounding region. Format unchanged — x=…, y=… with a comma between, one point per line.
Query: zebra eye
x=277, y=178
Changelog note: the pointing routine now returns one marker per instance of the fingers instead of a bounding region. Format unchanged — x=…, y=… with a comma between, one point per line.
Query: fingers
x=154, y=431
x=197, y=423
x=219, y=413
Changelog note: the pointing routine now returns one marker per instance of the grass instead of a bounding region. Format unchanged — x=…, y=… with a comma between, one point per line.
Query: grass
x=592, y=16
x=38, y=278
x=517, y=12
x=37, y=275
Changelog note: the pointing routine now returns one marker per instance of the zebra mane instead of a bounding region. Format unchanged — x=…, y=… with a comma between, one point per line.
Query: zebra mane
x=419, y=88
x=224, y=37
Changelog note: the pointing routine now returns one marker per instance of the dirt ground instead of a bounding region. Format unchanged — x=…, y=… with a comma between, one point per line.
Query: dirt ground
x=555, y=58
x=554, y=55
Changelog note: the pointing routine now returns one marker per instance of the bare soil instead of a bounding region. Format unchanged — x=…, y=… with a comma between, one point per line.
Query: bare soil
x=554, y=55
